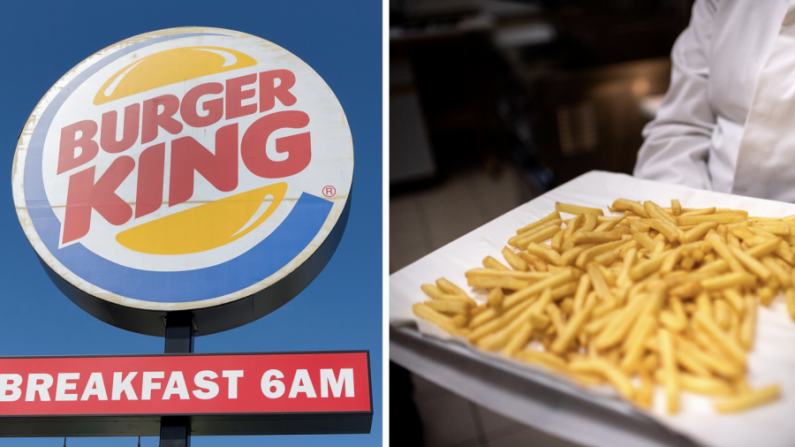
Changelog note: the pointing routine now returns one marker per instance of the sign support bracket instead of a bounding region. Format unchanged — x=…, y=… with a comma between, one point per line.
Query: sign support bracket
x=175, y=430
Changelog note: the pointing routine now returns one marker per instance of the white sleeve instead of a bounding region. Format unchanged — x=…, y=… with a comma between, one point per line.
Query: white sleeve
x=676, y=145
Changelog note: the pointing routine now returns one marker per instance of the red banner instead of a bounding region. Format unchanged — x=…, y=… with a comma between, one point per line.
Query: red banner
x=189, y=384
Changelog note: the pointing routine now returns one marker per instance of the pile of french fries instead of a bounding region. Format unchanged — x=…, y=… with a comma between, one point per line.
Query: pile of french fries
x=662, y=296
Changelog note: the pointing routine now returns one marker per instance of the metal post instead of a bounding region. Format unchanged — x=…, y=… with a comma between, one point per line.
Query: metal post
x=175, y=430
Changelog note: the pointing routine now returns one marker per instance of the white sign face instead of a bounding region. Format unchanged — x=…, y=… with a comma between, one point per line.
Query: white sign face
x=183, y=169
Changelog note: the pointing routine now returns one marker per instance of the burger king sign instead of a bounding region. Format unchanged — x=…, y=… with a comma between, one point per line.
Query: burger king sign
x=191, y=170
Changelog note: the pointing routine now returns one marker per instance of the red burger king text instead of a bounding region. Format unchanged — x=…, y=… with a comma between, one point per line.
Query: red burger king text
x=149, y=120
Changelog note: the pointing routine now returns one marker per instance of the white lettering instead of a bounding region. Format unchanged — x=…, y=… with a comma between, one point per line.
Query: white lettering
x=95, y=387
x=345, y=378
x=34, y=386
x=302, y=384
x=123, y=386
x=64, y=386
x=148, y=385
x=10, y=382
x=201, y=381
x=232, y=376
x=176, y=385
x=267, y=383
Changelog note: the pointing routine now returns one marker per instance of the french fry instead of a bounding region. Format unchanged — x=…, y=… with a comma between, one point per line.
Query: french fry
x=599, y=283
x=573, y=327
x=748, y=327
x=629, y=261
x=519, y=339
x=607, y=370
x=524, y=276
x=644, y=240
x=658, y=213
x=550, y=282
x=665, y=228
x=644, y=394
x=791, y=303
x=444, y=322
x=722, y=314
x=729, y=280
x=692, y=364
x=583, y=287
x=670, y=370
x=676, y=207
x=450, y=288
x=697, y=212
x=670, y=261
x=698, y=231
x=701, y=385
x=514, y=260
x=553, y=312
x=502, y=281
x=575, y=209
x=495, y=298
x=437, y=294
x=784, y=251
x=541, y=357
x=717, y=365
x=572, y=225
x=595, y=237
x=547, y=254
x=715, y=267
x=589, y=254
x=597, y=325
x=750, y=400
x=496, y=323
x=632, y=359
x=610, y=224
x=728, y=345
x=451, y=307
x=568, y=257
x=720, y=218
x=777, y=228
x=783, y=277
x=566, y=290
x=751, y=263
x=534, y=261
x=734, y=298
x=590, y=222
x=620, y=326
x=646, y=268
x=557, y=241
x=538, y=309
x=723, y=251
x=635, y=207
x=549, y=218
x=537, y=237
x=491, y=263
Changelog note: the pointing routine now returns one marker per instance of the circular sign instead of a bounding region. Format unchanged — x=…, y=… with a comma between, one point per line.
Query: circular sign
x=179, y=171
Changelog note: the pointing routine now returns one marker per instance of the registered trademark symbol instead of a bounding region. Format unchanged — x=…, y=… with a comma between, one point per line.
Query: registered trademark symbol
x=329, y=191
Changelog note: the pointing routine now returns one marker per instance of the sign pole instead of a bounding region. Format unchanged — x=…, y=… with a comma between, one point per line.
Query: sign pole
x=175, y=430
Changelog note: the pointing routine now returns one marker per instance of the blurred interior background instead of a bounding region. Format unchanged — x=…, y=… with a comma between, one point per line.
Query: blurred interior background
x=493, y=102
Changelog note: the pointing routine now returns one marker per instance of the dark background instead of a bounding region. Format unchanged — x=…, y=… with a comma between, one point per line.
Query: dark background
x=492, y=103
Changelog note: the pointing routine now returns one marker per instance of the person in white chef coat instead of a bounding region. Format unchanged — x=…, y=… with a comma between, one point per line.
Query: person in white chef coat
x=727, y=123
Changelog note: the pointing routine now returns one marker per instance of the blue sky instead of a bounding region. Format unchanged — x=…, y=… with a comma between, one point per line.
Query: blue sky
x=340, y=310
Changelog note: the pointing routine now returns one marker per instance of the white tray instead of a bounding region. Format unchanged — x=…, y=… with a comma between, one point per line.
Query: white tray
x=591, y=416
